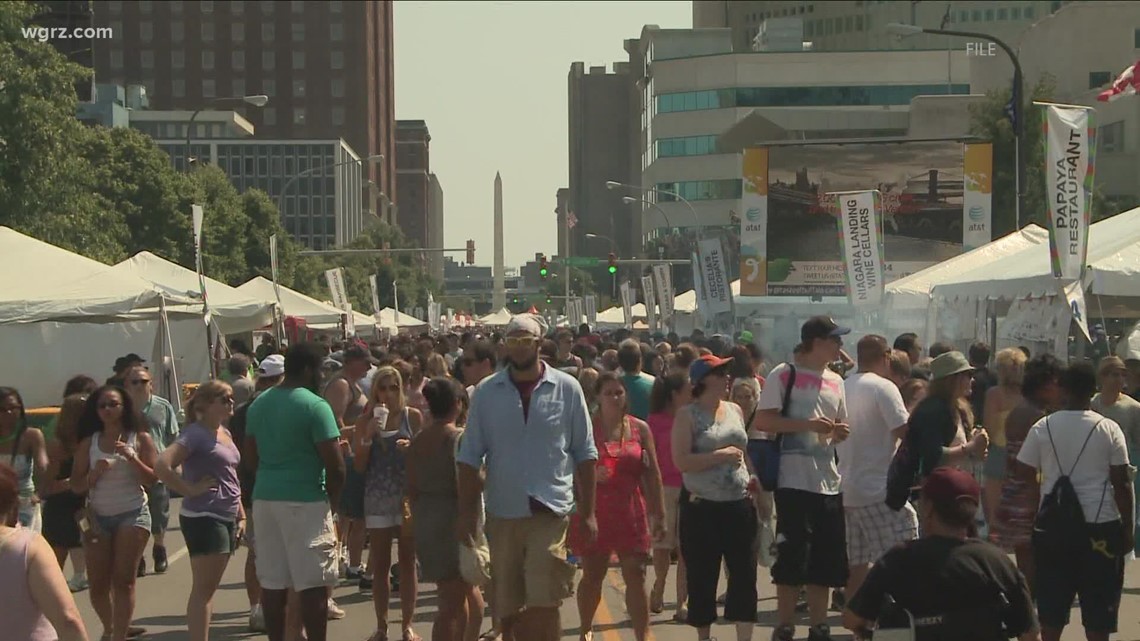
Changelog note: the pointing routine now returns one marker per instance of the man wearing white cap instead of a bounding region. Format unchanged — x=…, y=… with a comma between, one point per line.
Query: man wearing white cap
x=530, y=426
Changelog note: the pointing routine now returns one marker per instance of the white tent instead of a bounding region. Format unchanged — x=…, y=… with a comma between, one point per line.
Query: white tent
x=616, y=315
x=1113, y=267
x=233, y=311
x=394, y=320
x=913, y=292
x=496, y=319
x=317, y=315
x=686, y=303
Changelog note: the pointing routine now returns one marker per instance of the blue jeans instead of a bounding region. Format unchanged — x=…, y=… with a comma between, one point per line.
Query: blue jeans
x=139, y=518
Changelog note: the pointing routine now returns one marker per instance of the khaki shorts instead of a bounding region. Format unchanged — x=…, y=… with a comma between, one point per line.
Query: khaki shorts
x=296, y=545
x=528, y=561
x=672, y=519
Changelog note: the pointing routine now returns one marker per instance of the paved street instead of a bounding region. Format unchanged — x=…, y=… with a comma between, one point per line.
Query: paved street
x=162, y=601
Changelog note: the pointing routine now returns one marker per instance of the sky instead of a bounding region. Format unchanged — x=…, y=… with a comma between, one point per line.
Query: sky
x=489, y=79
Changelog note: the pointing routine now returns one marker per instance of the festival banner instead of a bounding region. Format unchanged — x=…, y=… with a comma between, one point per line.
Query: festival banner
x=650, y=302
x=1070, y=155
x=627, y=304
x=699, y=289
x=663, y=274
x=977, y=195
x=1078, y=310
x=335, y=279
x=592, y=310
x=349, y=320
x=861, y=243
x=754, y=224
x=433, y=313
x=375, y=294
x=716, y=283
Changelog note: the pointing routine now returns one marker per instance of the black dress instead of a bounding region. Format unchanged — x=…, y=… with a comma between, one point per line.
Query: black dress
x=59, y=525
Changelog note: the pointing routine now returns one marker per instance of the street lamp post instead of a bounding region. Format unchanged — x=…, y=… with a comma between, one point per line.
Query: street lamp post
x=259, y=100
x=311, y=170
x=1019, y=158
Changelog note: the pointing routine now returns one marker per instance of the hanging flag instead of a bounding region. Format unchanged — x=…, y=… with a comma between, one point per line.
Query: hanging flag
x=627, y=304
x=335, y=279
x=650, y=302
x=754, y=224
x=592, y=310
x=861, y=241
x=663, y=274
x=1078, y=310
x=699, y=289
x=977, y=197
x=375, y=294
x=198, y=218
x=571, y=220
x=1070, y=155
x=349, y=321
x=1126, y=84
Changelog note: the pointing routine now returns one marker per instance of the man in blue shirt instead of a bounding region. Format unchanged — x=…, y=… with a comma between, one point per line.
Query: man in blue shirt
x=529, y=425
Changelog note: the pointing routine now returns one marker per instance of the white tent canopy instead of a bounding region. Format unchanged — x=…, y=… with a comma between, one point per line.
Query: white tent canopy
x=316, y=314
x=686, y=303
x=233, y=311
x=1113, y=267
x=392, y=320
x=913, y=292
x=496, y=319
x=50, y=283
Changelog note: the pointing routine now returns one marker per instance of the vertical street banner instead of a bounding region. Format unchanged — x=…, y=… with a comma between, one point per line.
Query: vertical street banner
x=335, y=279
x=699, y=289
x=977, y=195
x=861, y=244
x=650, y=302
x=627, y=304
x=198, y=216
x=1070, y=155
x=754, y=223
x=716, y=283
x=273, y=266
x=349, y=320
x=375, y=294
x=592, y=310
x=1078, y=310
x=664, y=276
x=433, y=315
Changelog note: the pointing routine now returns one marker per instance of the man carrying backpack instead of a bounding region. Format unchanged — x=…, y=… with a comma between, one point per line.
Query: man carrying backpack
x=1083, y=460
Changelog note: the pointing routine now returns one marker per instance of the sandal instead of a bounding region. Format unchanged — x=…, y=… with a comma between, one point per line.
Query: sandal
x=491, y=635
x=657, y=601
x=587, y=636
x=410, y=635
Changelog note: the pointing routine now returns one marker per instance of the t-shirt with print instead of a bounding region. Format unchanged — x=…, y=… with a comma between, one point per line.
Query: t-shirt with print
x=211, y=455
x=874, y=409
x=287, y=423
x=807, y=461
x=1106, y=448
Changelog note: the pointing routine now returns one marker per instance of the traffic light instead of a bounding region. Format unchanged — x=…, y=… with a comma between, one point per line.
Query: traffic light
x=549, y=300
x=613, y=263
x=543, y=269
x=470, y=252
x=515, y=300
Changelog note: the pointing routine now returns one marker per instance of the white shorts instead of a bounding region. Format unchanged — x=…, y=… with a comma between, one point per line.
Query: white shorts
x=296, y=545
x=383, y=522
x=874, y=529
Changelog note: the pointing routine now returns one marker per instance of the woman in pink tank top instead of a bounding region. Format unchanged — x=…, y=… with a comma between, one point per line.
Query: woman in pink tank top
x=28, y=568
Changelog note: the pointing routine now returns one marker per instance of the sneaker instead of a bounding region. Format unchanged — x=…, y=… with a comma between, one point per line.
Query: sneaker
x=256, y=619
x=78, y=584
x=784, y=633
x=354, y=574
x=142, y=567
x=160, y=560
x=821, y=632
x=365, y=585
x=335, y=613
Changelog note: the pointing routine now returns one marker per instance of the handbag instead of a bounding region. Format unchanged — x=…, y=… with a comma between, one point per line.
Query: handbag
x=769, y=450
x=475, y=561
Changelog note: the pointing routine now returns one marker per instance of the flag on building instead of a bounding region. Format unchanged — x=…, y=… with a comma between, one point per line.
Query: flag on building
x=571, y=220
x=1126, y=84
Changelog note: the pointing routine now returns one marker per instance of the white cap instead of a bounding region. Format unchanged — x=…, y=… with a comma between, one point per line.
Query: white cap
x=273, y=365
x=529, y=323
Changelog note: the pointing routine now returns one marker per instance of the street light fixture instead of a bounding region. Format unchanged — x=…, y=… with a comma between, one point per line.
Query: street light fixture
x=1019, y=157
x=257, y=100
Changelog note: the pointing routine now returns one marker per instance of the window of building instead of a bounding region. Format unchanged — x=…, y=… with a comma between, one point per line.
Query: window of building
x=686, y=146
x=267, y=7
x=1028, y=12
x=337, y=88
x=207, y=32
x=146, y=31
x=206, y=5
x=298, y=60
x=267, y=33
x=1055, y=6
x=976, y=15
x=299, y=88
x=146, y=59
x=268, y=60
x=800, y=96
x=849, y=24
x=336, y=59
x=145, y=6
x=336, y=31
x=176, y=7
x=237, y=32
x=727, y=189
x=209, y=90
x=1002, y=13
x=334, y=6
x=1099, y=79
x=177, y=31
x=237, y=59
x=298, y=6
x=116, y=58
x=808, y=28
x=989, y=15
x=338, y=116
x=207, y=59
x=269, y=87
x=1111, y=137
x=859, y=23
x=963, y=16
x=298, y=31
x=1015, y=13
x=177, y=59
x=268, y=116
x=238, y=87
x=237, y=7
x=114, y=6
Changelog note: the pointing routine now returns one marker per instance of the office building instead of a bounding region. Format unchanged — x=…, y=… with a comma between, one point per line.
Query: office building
x=326, y=67
x=74, y=19
x=413, y=181
x=600, y=134
x=435, y=227
x=853, y=25
x=478, y=283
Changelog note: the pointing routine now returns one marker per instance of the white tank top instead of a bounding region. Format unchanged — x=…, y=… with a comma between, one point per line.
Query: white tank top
x=119, y=489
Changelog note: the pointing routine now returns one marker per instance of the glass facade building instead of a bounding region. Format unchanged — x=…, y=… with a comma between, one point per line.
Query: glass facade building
x=836, y=96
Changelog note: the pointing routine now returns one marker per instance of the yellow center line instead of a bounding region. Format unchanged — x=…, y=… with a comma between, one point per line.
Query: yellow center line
x=604, y=617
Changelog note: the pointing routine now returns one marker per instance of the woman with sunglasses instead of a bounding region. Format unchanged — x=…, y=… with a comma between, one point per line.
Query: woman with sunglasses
x=212, y=518
x=380, y=443
x=627, y=475
x=25, y=451
x=113, y=464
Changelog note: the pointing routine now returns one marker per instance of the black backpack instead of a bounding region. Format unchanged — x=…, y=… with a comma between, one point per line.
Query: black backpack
x=1060, y=526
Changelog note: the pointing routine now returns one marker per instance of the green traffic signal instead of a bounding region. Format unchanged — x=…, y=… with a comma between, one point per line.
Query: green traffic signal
x=613, y=269
x=543, y=272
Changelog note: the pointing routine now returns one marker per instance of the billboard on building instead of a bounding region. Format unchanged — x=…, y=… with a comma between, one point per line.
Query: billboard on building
x=922, y=190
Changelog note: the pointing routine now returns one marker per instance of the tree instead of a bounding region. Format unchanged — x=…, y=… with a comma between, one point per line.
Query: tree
x=990, y=121
x=263, y=221
x=223, y=252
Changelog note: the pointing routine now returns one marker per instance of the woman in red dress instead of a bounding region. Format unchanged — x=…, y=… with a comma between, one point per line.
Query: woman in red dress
x=627, y=474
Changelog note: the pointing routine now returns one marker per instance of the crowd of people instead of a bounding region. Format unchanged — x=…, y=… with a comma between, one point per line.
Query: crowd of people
x=503, y=468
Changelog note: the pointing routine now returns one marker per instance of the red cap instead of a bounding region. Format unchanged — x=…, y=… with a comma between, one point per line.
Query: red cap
x=948, y=485
x=703, y=365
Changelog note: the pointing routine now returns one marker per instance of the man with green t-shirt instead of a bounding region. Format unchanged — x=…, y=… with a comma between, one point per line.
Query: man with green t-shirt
x=638, y=384
x=292, y=441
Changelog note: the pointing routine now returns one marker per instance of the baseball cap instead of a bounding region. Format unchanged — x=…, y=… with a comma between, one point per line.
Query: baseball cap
x=123, y=362
x=528, y=323
x=705, y=364
x=948, y=485
x=273, y=365
x=949, y=364
x=746, y=337
x=821, y=327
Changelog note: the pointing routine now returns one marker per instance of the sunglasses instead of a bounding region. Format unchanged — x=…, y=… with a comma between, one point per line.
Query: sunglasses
x=521, y=341
x=111, y=405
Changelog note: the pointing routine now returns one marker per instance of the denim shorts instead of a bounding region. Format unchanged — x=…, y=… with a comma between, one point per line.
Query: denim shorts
x=139, y=517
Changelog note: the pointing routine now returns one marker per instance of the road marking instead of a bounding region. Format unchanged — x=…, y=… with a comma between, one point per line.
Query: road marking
x=177, y=555
x=618, y=583
x=603, y=618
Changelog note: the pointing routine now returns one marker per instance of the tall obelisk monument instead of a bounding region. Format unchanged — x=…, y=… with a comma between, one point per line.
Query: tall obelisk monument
x=499, y=296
